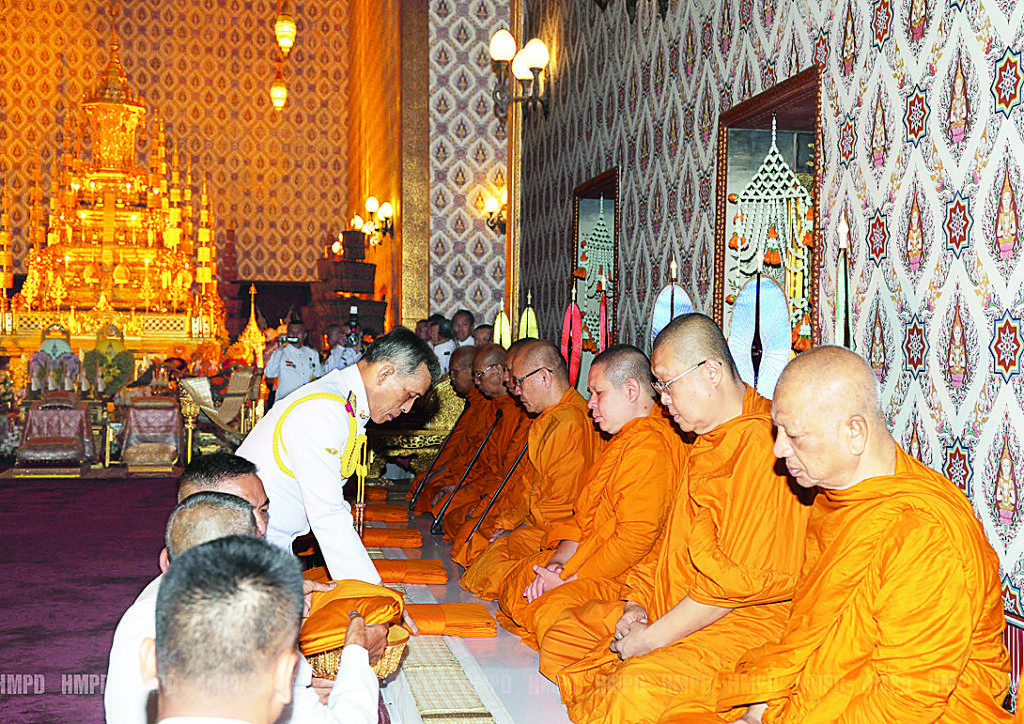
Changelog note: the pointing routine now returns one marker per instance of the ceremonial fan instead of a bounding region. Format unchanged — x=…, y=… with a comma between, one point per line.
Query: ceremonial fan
x=760, y=305
x=572, y=337
x=671, y=302
x=503, y=330
x=528, y=320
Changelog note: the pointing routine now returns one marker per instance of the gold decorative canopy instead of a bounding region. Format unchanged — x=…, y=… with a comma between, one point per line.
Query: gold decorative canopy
x=116, y=242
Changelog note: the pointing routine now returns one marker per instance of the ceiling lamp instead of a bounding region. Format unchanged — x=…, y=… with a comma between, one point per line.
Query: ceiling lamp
x=284, y=28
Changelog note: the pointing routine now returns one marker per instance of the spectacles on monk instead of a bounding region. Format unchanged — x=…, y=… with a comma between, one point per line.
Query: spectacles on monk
x=663, y=387
x=518, y=381
x=479, y=375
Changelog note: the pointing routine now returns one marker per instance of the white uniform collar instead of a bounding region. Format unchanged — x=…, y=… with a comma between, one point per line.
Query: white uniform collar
x=352, y=379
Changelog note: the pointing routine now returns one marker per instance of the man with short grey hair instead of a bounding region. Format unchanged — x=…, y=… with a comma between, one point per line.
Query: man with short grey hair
x=306, y=449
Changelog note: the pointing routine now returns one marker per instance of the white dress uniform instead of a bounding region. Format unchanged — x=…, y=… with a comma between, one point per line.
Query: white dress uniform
x=127, y=699
x=293, y=367
x=444, y=353
x=298, y=448
x=342, y=357
x=467, y=342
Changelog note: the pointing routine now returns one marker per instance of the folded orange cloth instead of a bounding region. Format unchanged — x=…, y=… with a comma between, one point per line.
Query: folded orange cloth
x=411, y=571
x=387, y=513
x=392, y=538
x=319, y=574
x=325, y=628
x=466, y=620
x=376, y=492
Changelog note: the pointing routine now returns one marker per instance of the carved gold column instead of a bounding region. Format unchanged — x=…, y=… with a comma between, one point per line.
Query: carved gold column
x=413, y=284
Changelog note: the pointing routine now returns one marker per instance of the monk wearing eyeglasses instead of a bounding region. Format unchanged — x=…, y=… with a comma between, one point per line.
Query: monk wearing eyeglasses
x=619, y=516
x=467, y=435
x=563, y=444
x=898, y=614
x=727, y=567
x=508, y=438
x=466, y=548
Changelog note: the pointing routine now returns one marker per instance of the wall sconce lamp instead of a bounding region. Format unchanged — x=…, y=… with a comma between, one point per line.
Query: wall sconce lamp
x=284, y=28
x=496, y=212
x=278, y=90
x=381, y=220
x=527, y=65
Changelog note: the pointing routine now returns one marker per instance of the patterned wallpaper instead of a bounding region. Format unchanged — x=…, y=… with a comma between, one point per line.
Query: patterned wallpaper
x=468, y=155
x=922, y=146
x=278, y=179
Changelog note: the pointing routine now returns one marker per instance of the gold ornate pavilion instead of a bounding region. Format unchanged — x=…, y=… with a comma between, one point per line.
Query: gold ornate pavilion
x=117, y=243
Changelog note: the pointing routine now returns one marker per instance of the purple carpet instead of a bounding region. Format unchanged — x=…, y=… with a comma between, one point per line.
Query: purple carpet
x=74, y=554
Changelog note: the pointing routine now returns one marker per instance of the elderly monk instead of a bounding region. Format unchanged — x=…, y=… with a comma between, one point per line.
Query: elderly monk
x=619, y=515
x=509, y=436
x=898, y=615
x=467, y=434
x=727, y=566
x=563, y=445
x=465, y=553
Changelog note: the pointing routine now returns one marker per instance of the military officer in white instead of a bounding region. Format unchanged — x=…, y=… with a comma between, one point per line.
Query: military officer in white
x=304, y=443
x=292, y=362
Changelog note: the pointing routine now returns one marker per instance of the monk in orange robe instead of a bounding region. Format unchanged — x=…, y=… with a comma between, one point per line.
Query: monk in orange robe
x=898, y=613
x=468, y=433
x=466, y=549
x=619, y=515
x=483, y=478
x=726, y=569
x=563, y=444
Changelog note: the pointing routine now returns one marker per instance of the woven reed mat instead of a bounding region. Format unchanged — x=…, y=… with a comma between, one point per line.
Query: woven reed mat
x=441, y=689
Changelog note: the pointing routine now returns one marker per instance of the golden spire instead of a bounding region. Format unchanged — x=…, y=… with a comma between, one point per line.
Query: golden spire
x=113, y=85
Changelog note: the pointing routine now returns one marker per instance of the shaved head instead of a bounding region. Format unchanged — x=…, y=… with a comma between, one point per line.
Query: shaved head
x=835, y=380
x=460, y=369
x=692, y=338
x=541, y=353
x=488, y=355
x=510, y=357
x=542, y=375
x=829, y=427
x=462, y=355
x=489, y=371
x=622, y=362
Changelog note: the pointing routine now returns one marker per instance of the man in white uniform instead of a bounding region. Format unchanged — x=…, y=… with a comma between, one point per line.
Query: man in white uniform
x=292, y=362
x=305, y=446
x=345, y=351
x=208, y=483
x=445, y=345
x=462, y=327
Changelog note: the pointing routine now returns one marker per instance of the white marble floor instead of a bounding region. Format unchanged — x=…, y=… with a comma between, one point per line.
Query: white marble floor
x=503, y=670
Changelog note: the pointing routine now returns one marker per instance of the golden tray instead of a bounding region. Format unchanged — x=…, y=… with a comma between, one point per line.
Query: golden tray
x=325, y=664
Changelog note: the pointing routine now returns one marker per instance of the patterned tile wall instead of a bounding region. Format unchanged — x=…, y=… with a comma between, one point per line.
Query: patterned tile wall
x=922, y=106
x=279, y=179
x=468, y=158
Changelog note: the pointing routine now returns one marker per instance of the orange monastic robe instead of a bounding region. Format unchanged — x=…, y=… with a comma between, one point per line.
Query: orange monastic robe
x=618, y=524
x=490, y=467
x=897, y=617
x=734, y=540
x=463, y=442
x=563, y=446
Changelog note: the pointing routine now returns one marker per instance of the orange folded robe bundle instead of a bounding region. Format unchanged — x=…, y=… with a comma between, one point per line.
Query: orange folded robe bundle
x=376, y=493
x=318, y=574
x=387, y=513
x=411, y=571
x=392, y=538
x=327, y=624
x=466, y=620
